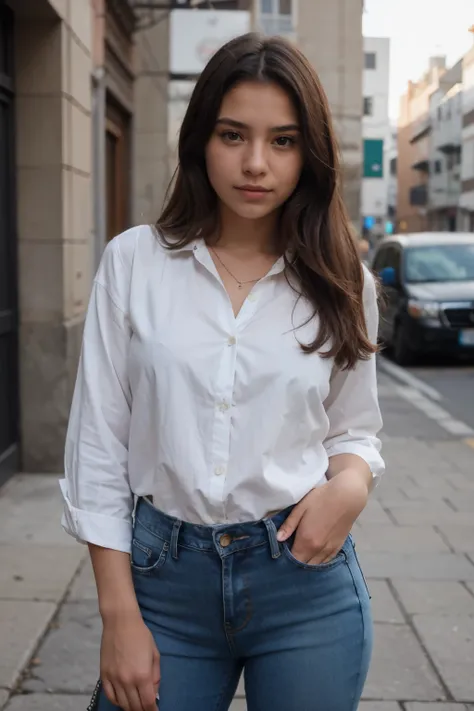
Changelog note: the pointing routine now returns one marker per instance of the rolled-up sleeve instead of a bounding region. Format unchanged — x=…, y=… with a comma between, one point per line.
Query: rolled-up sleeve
x=352, y=405
x=96, y=490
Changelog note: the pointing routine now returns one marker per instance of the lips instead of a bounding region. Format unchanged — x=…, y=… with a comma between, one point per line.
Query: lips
x=253, y=189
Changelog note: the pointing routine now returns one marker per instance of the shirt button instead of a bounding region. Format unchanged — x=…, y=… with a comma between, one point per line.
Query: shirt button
x=223, y=406
x=252, y=297
x=219, y=471
x=232, y=341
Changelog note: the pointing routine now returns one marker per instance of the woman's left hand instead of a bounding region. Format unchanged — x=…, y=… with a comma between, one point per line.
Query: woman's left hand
x=324, y=518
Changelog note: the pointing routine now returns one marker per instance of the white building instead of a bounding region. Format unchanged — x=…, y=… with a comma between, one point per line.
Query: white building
x=444, y=187
x=467, y=167
x=376, y=134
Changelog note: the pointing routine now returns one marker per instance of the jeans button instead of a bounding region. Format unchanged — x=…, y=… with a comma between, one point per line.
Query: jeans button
x=225, y=540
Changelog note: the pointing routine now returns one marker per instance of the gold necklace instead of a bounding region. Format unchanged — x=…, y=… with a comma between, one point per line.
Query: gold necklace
x=240, y=284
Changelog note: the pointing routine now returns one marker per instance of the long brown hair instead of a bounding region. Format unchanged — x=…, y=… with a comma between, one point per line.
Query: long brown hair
x=314, y=226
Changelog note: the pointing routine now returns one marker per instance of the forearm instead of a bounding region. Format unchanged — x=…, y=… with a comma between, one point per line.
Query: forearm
x=114, y=583
x=353, y=466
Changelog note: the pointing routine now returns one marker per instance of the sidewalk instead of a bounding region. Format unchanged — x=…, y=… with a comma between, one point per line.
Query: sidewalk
x=415, y=541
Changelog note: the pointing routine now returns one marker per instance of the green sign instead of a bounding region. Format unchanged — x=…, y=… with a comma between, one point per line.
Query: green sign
x=373, y=158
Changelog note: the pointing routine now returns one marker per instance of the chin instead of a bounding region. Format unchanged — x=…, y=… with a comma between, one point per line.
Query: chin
x=251, y=212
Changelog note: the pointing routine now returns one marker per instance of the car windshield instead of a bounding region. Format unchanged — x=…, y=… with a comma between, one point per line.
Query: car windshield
x=444, y=262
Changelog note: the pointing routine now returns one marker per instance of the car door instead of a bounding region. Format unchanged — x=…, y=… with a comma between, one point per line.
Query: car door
x=377, y=266
x=393, y=293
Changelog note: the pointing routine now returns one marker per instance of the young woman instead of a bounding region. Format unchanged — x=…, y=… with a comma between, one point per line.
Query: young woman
x=223, y=434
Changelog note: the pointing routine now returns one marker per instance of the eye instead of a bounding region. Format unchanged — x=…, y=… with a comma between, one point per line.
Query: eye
x=285, y=141
x=231, y=136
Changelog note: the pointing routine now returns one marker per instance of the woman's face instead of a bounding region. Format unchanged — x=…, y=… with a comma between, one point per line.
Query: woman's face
x=254, y=157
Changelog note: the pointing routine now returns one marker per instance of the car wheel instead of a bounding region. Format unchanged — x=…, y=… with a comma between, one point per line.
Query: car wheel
x=402, y=352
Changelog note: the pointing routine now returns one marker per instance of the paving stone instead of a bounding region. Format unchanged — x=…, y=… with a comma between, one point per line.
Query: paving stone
x=399, y=668
x=396, y=539
x=384, y=605
x=30, y=511
x=240, y=693
x=69, y=656
x=461, y=482
x=470, y=586
x=450, y=643
x=417, y=566
x=463, y=501
x=37, y=572
x=22, y=624
x=437, y=598
x=415, y=706
x=420, y=513
x=460, y=538
x=378, y=706
x=238, y=705
x=3, y=698
x=374, y=513
x=48, y=702
x=435, y=493
x=84, y=587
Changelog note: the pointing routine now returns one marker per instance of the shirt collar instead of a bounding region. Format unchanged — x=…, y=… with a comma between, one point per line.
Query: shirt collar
x=198, y=243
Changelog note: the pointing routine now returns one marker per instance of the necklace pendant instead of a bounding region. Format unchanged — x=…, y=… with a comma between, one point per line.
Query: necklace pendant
x=240, y=285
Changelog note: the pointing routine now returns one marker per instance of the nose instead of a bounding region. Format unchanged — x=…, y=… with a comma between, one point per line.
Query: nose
x=255, y=158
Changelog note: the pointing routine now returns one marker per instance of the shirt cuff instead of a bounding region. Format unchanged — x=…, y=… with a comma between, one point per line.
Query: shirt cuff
x=100, y=530
x=368, y=452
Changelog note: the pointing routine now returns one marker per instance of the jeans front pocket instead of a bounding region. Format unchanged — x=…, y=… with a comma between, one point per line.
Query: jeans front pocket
x=334, y=563
x=149, y=552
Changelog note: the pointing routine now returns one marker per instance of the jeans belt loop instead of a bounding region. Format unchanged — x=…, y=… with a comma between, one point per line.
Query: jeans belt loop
x=272, y=537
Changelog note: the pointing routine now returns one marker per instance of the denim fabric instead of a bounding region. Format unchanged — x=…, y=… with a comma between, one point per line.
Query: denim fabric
x=226, y=598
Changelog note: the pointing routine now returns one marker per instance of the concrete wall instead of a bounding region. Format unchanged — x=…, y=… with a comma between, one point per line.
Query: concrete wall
x=151, y=172
x=53, y=132
x=330, y=34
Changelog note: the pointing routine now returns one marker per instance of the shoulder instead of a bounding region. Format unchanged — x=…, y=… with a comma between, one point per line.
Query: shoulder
x=120, y=253
x=136, y=244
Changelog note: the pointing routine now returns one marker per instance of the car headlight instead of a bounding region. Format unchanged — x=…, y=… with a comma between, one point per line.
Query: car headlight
x=423, y=309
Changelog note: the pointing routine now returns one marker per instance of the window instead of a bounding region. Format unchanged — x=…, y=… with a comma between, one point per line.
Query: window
x=437, y=166
x=368, y=106
x=448, y=262
x=440, y=113
x=276, y=17
x=370, y=60
x=275, y=7
x=393, y=166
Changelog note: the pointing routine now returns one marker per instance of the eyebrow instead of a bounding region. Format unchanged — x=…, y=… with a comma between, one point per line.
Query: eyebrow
x=274, y=129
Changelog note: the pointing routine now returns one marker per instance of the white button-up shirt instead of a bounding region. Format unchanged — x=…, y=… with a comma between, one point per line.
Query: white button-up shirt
x=219, y=418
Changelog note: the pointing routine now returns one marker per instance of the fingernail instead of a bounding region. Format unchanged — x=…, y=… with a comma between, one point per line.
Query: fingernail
x=281, y=535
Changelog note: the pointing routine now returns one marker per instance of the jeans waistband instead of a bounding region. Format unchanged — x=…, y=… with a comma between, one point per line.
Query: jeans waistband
x=226, y=538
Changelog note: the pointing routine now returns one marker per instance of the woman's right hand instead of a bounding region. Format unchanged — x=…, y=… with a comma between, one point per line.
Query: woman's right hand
x=129, y=664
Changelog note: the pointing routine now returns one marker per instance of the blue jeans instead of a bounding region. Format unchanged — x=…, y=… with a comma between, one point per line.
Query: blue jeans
x=226, y=598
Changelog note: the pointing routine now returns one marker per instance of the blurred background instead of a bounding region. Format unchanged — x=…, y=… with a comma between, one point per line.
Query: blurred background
x=92, y=94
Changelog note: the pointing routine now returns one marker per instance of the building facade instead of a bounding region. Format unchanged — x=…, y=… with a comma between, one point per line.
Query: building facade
x=376, y=136
x=46, y=220
x=444, y=185
x=466, y=200
x=78, y=102
x=330, y=34
x=414, y=149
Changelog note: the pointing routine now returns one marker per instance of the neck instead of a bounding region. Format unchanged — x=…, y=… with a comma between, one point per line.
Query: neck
x=245, y=236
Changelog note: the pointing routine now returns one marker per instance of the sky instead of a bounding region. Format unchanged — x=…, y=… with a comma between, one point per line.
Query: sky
x=418, y=29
